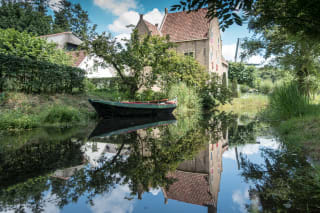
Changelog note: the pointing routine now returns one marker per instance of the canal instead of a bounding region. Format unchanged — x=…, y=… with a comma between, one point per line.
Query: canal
x=211, y=163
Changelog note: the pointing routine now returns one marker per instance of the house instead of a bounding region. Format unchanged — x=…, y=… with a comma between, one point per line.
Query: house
x=92, y=64
x=195, y=36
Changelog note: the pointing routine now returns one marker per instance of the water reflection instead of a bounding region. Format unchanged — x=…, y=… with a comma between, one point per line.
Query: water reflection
x=218, y=163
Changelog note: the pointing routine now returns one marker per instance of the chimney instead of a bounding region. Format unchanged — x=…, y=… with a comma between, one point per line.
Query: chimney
x=166, y=10
x=141, y=16
x=156, y=25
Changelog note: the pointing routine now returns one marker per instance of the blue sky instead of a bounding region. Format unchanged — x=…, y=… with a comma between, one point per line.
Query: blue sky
x=114, y=15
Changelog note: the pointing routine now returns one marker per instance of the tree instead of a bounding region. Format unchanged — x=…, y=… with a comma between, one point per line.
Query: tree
x=293, y=15
x=137, y=59
x=25, y=16
x=25, y=45
x=244, y=74
x=294, y=52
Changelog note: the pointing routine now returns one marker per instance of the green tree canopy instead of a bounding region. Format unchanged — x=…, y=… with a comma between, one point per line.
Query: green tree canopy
x=25, y=45
x=293, y=15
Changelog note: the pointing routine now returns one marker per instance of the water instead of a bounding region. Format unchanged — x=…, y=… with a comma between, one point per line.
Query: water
x=217, y=163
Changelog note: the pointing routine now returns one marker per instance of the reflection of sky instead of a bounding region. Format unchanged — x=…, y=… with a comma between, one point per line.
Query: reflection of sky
x=114, y=201
x=234, y=191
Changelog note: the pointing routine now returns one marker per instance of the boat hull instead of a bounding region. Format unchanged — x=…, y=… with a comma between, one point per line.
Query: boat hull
x=113, y=109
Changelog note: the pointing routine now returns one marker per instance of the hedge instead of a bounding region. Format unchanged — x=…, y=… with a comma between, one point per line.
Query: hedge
x=32, y=76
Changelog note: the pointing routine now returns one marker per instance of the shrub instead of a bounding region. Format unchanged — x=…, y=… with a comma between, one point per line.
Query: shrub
x=287, y=101
x=188, y=98
x=243, y=73
x=88, y=85
x=17, y=120
x=244, y=88
x=234, y=88
x=266, y=87
x=62, y=114
x=30, y=76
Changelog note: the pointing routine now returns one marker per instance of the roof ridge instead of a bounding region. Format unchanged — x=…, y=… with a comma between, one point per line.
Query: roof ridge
x=67, y=32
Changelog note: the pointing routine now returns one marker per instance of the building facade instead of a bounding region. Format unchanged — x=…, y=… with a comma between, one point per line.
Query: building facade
x=195, y=36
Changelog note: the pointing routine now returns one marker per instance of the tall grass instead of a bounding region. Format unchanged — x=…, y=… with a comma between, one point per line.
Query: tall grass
x=188, y=98
x=287, y=101
x=62, y=114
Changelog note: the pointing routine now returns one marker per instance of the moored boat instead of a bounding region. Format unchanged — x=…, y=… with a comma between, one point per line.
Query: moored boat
x=109, y=109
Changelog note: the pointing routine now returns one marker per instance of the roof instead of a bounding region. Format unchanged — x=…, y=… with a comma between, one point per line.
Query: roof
x=55, y=34
x=78, y=57
x=186, y=26
x=190, y=188
x=152, y=28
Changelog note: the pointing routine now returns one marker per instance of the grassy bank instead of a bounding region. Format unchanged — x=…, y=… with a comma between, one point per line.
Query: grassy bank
x=249, y=104
x=27, y=111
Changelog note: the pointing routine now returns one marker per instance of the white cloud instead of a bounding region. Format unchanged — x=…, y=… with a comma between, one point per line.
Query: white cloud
x=154, y=16
x=117, y=7
x=229, y=51
x=53, y=4
x=241, y=198
x=114, y=201
x=132, y=18
x=121, y=23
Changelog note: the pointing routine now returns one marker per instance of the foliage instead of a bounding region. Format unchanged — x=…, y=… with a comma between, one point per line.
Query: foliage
x=27, y=46
x=244, y=88
x=149, y=94
x=188, y=98
x=215, y=92
x=12, y=120
x=288, y=101
x=234, y=88
x=243, y=73
x=35, y=17
x=62, y=114
x=175, y=68
x=296, y=52
x=138, y=58
x=292, y=15
x=35, y=76
x=266, y=87
x=25, y=16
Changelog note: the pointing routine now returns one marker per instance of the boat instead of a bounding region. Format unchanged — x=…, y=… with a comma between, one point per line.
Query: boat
x=109, y=109
x=116, y=126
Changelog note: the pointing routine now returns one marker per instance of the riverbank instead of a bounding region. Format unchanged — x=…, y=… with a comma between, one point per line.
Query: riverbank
x=302, y=132
x=19, y=111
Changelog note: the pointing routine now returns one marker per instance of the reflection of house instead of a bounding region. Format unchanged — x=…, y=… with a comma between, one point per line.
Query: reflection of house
x=69, y=42
x=194, y=35
x=198, y=180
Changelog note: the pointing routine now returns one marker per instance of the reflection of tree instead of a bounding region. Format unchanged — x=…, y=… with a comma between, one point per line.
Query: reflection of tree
x=152, y=156
x=285, y=183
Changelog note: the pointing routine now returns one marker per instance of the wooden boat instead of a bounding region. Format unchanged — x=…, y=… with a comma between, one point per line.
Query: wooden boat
x=109, y=109
x=116, y=126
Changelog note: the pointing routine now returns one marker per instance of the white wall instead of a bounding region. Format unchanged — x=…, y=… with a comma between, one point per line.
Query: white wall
x=92, y=64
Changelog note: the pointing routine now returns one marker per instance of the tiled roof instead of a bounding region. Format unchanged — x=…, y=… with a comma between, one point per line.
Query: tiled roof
x=77, y=56
x=152, y=28
x=190, y=188
x=184, y=26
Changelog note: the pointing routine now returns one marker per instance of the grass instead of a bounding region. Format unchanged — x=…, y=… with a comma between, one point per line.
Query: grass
x=249, y=104
x=20, y=111
x=303, y=132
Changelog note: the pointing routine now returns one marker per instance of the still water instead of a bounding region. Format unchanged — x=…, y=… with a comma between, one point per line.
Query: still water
x=210, y=163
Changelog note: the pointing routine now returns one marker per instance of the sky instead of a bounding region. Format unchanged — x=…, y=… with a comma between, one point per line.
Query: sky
x=114, y=15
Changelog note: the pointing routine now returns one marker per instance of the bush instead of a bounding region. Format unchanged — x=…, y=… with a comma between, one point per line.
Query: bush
x=34, y=76
x=266, y=87
x=287, y=101
x=243, y=73
x=17, y=120
x=244, y=88
x=62, y=114
x=234, y=88
x=188, y=98
x=88, y=85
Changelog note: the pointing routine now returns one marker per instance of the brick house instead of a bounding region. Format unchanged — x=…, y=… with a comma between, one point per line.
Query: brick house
x=194, y=34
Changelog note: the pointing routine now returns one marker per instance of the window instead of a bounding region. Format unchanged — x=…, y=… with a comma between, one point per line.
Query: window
x=189, y=54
